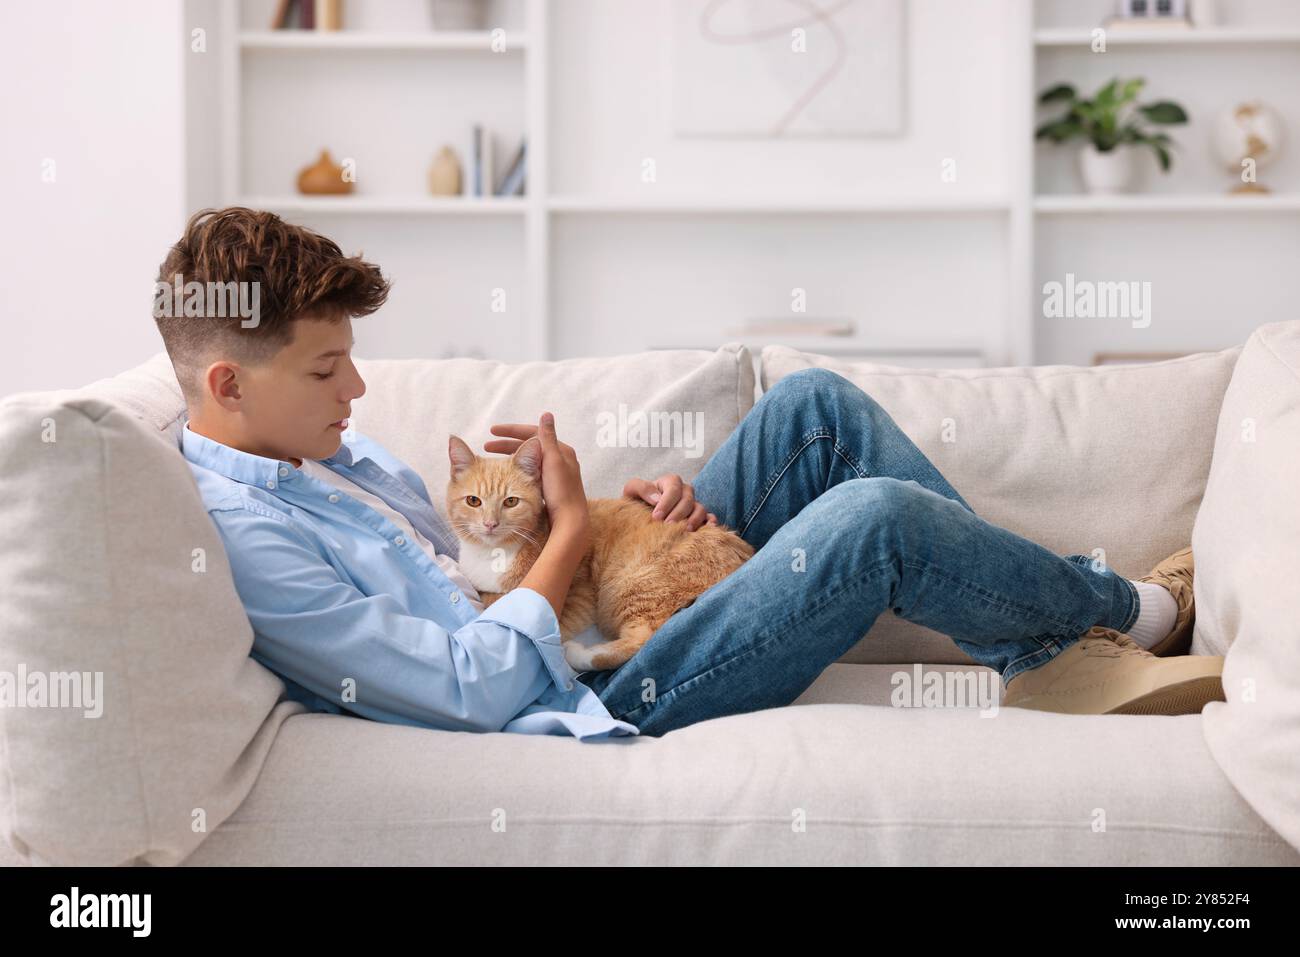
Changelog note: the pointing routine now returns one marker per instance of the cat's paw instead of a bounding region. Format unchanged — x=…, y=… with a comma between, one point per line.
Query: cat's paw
x=577, y=655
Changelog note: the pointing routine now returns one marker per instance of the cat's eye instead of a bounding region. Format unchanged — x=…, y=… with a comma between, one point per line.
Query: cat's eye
x=511, y=502
x=473, y=501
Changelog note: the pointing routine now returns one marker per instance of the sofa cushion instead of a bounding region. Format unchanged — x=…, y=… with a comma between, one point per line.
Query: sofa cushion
x=412, y=405
x=112, y=570
x=1097, y=460
x=1246, y=542
x=817, y=783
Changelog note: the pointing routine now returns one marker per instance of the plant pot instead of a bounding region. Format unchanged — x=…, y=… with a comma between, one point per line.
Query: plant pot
x=1107, y=172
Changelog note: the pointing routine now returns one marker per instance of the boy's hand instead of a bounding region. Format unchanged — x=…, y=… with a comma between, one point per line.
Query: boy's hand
x=566, y=501
x=672, y=499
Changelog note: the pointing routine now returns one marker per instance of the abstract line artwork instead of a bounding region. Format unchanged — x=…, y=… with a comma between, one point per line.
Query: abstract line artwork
x=786, y=68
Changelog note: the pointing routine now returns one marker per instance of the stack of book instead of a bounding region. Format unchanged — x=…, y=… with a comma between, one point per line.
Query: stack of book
x=511, y=182
x=308, y=15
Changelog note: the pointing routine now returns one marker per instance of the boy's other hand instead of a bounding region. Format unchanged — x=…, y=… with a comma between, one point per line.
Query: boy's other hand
x=673, y=500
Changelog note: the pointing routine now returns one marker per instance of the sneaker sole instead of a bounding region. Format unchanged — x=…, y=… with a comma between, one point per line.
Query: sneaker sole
x=1185, y=697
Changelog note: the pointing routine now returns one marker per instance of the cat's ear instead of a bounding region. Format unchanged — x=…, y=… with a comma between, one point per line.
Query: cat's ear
x=529, y=457
x=461, y=455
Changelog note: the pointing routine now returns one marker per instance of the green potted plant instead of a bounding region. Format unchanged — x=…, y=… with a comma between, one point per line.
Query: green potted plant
x=1111, y=124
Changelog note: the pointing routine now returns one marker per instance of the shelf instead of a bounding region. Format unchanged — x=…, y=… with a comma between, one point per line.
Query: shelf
x=764, y=205
x=1169, y=36
x=1169, y=203
x=472, y=40
x=368, y=205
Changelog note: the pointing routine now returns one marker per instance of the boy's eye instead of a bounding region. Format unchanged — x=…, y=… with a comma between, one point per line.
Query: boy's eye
x=473, y=501
x=322, y=375
x=511, y=502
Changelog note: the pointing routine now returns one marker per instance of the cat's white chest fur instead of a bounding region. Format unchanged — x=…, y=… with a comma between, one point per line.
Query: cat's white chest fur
x=486, y=565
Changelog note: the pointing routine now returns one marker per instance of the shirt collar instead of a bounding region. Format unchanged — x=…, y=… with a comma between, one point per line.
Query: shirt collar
x=242, y=466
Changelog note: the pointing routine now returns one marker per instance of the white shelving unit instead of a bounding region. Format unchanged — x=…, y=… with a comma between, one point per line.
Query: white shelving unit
x=1018, y=231
x=1186, y=234
x=540, y=211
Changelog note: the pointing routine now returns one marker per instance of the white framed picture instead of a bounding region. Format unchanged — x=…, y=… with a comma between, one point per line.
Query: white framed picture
x=770, y=68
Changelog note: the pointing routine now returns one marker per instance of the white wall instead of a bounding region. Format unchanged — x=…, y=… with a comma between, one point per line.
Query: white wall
x=611, y=96
x=113, y=94
x=96, y=87
x=624, y=282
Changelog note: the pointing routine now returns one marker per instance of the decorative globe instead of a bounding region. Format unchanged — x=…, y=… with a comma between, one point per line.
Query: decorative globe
x=1251, y=130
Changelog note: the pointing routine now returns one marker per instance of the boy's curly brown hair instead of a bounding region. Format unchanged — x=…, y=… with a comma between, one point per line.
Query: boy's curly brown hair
x=300, y=275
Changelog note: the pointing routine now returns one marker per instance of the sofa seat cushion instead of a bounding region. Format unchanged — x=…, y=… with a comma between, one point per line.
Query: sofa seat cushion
x=815, y=783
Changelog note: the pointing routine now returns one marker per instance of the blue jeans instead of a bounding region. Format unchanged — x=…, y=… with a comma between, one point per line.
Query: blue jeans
x=848, y=519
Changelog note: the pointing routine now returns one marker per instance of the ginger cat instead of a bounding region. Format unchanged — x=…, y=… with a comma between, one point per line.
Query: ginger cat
x=637, y=572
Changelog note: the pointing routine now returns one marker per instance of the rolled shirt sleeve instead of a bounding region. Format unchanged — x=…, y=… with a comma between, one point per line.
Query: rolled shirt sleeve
x=529, y=613
x=370, y=656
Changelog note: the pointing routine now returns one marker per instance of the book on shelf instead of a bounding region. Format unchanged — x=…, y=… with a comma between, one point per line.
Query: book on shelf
x=512, y=181
x=308, y=15
x=476, y=162
x=483, y=179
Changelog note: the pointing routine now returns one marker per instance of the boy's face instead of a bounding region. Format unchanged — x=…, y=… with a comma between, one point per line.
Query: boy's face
x=296, y=406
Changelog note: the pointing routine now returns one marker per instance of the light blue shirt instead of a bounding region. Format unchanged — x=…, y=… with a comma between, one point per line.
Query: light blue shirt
x=339, y=600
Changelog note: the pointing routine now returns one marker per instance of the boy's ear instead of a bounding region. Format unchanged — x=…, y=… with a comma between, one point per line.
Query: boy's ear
x=529, y=457
x=461, y=455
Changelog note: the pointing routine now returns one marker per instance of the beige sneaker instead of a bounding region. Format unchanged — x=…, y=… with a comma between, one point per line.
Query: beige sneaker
x=1107, y=672
x=1175, y=574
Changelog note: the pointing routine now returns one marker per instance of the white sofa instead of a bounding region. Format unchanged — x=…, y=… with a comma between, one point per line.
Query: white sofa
x=110, y=565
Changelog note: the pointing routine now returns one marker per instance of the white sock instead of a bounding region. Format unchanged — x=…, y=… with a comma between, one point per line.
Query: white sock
x=1157, y=613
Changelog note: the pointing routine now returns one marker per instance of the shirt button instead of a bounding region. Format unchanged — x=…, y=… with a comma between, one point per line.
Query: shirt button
x=568, y=686
x=399, y=540
x=270, y=484
x=455, y=597
x=334, y=498
x=283, y=471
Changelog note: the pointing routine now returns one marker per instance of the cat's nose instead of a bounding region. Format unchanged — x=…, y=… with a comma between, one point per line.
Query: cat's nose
x=490, y=525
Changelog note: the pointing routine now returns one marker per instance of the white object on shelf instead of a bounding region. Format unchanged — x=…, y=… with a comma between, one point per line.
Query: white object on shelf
x=1203, y=13
x=1107, y=172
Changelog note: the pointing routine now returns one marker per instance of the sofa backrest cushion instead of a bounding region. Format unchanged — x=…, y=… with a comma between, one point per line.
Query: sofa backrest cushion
x=1246, y=542
x=412, y=405
x=1106, y=461
x=118, y=600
